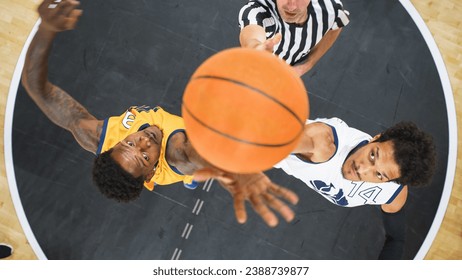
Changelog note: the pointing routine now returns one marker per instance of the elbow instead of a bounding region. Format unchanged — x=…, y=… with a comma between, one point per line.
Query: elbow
x=398, y=203
x=390, y=208
x=26, y=80
x=393, y=207
x=33, y=84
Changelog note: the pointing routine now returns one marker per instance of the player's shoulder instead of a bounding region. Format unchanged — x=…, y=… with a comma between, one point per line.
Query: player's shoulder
x=333, y=122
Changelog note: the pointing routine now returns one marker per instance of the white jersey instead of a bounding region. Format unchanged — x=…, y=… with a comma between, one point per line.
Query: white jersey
x=326, y=178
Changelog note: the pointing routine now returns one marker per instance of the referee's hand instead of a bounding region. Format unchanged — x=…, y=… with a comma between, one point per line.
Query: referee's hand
x=269, y=44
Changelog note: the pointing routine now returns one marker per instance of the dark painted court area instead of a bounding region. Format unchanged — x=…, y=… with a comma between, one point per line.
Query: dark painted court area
x=124, y=53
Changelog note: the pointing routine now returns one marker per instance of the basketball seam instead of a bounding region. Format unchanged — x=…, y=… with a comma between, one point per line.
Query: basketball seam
x=301, y=122
x=235, y=138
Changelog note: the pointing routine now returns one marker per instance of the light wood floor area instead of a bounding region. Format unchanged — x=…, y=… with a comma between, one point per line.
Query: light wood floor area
x=442, y=18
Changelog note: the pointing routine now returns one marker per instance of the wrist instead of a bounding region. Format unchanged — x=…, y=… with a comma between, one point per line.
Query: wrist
x=47, y=29
x=253, y=44
x=308, y=65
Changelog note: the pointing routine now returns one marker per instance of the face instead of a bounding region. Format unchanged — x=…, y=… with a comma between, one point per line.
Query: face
x=374, y=162
x=293, y=11
x=139, y=152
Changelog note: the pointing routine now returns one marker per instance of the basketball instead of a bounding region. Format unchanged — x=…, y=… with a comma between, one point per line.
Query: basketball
x=244, y=110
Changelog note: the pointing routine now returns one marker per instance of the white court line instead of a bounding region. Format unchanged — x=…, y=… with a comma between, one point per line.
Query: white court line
x=195, y=206
x=179, y=254
x=176, y=254
x=207, y=185
x=185, y=229
x=452, y=123
x=210, y=185
x=189, y=231
x=9, y=151
x=199, y=208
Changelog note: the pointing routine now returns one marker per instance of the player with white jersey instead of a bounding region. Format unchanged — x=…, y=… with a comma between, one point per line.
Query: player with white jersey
x=350, y=168
x=327, y=178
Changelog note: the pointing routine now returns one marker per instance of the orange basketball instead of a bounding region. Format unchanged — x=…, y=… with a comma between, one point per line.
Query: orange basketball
x=244, y=110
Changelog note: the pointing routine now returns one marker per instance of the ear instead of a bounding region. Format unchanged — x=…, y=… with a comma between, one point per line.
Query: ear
x=150, y=175
x=376, y=137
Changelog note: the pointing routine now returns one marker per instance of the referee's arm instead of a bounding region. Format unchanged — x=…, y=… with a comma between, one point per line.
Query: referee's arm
x=254, y=36
x=318, y=51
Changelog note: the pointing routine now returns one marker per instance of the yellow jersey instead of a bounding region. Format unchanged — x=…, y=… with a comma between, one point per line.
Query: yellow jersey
x=137, y=118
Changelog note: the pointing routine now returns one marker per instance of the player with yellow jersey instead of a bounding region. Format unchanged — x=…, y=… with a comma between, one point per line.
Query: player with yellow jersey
x=137, y=118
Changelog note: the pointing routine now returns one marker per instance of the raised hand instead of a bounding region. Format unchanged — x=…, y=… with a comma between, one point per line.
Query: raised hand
x=59, y=15
x=264, y=196
x=269, y=44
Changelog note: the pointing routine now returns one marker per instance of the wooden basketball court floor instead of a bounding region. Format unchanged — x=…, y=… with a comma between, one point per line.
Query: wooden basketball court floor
x=17, y=20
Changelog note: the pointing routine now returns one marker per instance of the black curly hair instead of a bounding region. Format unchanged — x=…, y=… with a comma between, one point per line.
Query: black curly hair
x=113, y=181
x=414, y=152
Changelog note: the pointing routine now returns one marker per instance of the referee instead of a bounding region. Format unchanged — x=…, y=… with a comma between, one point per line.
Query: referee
x=298, y=31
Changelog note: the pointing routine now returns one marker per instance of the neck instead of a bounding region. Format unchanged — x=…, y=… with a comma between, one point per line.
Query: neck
x=181, y=154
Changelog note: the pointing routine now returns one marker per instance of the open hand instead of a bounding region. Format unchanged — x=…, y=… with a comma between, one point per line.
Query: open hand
x=258, y=189
x=59, y=15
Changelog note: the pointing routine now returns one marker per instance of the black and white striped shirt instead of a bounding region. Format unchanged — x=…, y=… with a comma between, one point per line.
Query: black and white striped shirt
x=297, y=40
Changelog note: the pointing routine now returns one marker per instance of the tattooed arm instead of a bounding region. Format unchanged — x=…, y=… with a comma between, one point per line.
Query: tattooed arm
x=54, y=102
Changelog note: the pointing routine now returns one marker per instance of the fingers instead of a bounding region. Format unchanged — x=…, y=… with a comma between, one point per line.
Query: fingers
x=59, y=7
x=270, y=43
x=66, y=7
x=280, y=207
x=73, y=19
x=239, y=207
x=269, y=198
x=264, y=196
x=47, y=7
x=276, y=39
x=284, y=193
x=59, y=15
x=260, y=207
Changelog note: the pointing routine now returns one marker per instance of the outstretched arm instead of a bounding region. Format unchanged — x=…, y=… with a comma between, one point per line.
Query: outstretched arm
x=266, y=197
x=55, y=103
x=317, y=142
x=254, y=36
x=318, y=51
